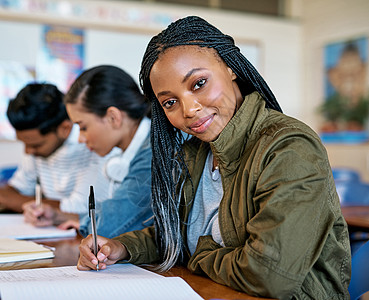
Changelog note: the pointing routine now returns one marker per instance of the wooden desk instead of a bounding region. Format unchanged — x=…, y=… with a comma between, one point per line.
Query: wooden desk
x=66, y=254
x=357, y=217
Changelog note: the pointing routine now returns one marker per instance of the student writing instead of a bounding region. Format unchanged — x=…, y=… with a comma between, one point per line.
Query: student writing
x=270, y=222
x=64, y=167
x=113, y=114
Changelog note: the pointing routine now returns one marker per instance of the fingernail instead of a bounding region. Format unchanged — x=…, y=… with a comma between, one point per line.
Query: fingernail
x=100, y=256
x=94, y=261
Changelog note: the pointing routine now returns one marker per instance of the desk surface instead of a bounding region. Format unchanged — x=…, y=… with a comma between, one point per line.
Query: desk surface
x=357, y=217
x=66, y=254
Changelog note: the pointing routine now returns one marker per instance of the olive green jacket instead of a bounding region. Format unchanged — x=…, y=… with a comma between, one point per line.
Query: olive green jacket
x=280, y=217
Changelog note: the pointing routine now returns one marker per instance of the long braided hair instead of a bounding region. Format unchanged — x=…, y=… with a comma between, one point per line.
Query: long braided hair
x=168, y=158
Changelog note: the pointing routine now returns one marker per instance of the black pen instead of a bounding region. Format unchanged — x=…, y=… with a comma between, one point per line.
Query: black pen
x=91, y=202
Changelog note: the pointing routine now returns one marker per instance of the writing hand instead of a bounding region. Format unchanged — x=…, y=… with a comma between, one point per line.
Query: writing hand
x=38, y=215
x=110, y=251
x=69, y=224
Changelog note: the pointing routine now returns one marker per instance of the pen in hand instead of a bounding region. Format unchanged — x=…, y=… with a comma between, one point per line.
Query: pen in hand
x=38, y=193
x=91, y=201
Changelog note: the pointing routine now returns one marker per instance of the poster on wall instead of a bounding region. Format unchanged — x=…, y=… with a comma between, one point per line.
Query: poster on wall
x=345, y=108
x=61, y=56
x=13, y=77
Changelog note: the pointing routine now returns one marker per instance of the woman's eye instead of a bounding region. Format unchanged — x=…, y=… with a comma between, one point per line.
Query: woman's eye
x=168, y=104
x=199, y=84
x=82, y=128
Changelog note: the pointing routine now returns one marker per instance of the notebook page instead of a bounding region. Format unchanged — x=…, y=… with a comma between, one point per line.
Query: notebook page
x=159, y=288
x=122, y=281
x=13, y=226
x=120, y=271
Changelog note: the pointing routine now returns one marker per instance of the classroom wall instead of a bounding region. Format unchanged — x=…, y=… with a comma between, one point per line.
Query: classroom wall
x=290, y=49
x=278, y=42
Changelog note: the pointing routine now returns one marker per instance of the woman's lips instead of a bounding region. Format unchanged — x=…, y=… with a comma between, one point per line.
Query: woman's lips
x=202, y=125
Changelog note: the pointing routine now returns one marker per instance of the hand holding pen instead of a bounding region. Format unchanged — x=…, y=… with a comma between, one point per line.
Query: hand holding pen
x=38, y=193
x=110, y=250
x=91, y=204
x=35, y=212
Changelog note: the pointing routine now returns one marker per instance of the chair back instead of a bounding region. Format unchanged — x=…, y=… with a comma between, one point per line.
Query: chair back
x=345, y=174
x=351, y=190
x=359, y=284
x=5, y=174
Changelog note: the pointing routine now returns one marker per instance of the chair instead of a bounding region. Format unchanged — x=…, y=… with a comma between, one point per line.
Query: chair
x=359, y=284
x=351, y=190
x=346, y=174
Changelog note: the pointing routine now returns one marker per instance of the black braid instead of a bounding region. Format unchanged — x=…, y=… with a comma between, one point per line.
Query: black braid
x=163, y=183
x=165, y=142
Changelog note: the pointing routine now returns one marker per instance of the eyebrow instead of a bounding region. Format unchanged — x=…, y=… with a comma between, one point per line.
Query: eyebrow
x=190, y=73
x=185, y=78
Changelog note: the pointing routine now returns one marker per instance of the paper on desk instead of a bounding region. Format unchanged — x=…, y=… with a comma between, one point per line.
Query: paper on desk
x=13, y=226
x=12, y=250
x=120, y=281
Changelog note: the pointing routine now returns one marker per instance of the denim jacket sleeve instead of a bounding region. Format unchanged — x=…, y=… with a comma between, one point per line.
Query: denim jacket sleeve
x=130, y=207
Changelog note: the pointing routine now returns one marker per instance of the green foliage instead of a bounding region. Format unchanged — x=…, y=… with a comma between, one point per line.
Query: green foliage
x=340, y=109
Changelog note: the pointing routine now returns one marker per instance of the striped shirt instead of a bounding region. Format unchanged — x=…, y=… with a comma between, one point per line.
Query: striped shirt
x=64, y=176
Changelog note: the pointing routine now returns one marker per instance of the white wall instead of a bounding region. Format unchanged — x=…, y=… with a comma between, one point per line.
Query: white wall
x=278, y=42
x=23, y=41
x=10, y=153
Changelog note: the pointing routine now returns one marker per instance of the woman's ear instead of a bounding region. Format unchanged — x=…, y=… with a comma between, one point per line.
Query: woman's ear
x=231, y=73
x=64, y=129
x=114, y=117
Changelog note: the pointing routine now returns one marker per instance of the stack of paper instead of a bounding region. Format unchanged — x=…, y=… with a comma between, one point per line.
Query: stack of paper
x=119, y=281
x=14, y=250
x=13, y=226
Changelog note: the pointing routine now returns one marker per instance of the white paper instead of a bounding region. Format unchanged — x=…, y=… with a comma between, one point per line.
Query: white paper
x=119, y=281
x=13, y=226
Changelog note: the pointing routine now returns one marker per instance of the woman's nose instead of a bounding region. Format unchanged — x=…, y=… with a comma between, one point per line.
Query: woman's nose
x=190, y=106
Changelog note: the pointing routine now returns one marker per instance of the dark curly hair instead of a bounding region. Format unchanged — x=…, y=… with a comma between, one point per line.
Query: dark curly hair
x=37, y=106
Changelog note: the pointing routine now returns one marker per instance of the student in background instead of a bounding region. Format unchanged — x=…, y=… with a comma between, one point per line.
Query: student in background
x=64, y=167
x=249, y=200
x=112, y=114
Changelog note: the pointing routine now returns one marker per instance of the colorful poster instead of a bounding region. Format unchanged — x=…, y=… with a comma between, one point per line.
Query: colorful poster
x=346, y=99
x=61, y=56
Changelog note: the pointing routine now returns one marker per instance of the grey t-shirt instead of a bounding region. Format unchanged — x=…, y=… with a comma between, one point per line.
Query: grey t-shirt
x=203, y=218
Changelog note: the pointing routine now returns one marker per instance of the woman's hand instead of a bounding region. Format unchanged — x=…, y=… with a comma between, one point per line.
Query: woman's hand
x=69, y=224
x=40, y=216
x=110, y=252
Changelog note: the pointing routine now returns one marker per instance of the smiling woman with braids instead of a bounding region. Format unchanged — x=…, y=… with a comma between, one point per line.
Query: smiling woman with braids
x=249, y=200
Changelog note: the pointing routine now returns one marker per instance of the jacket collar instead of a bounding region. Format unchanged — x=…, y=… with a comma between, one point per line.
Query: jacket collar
x=231, y=142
